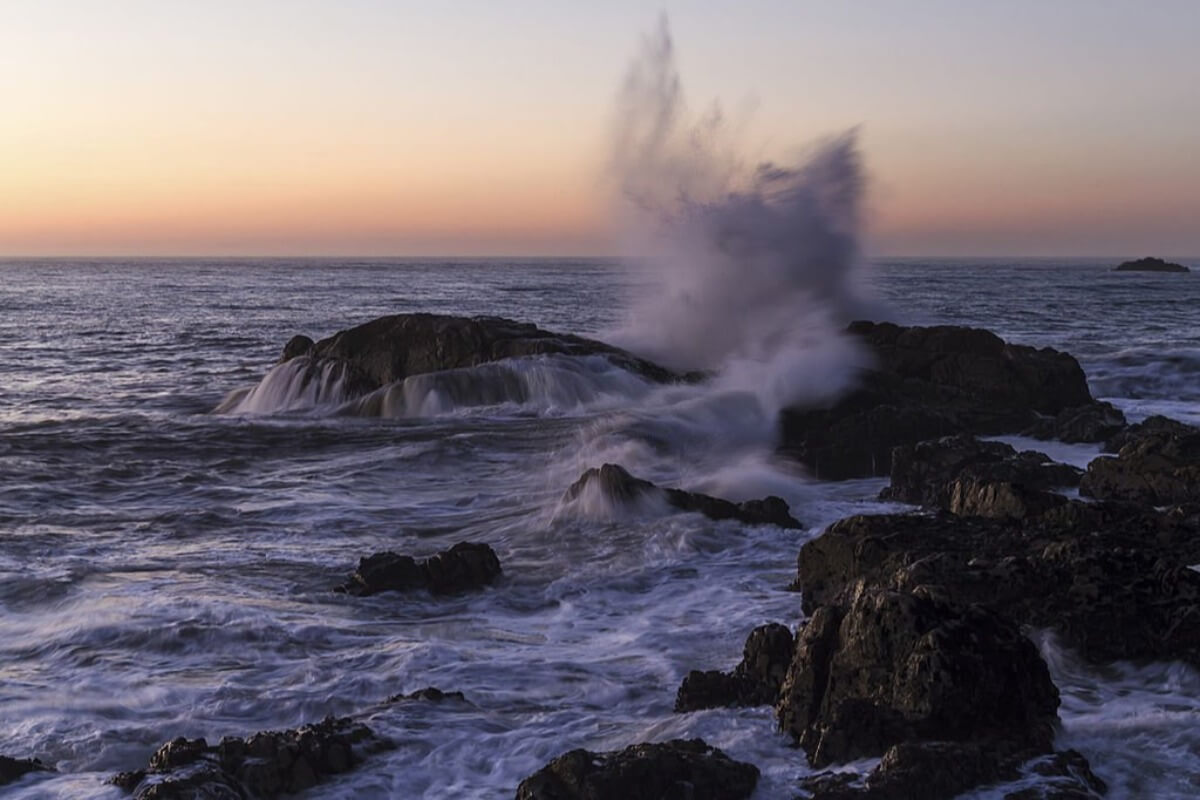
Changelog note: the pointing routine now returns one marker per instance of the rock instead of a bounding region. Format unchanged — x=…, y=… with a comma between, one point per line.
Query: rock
x=674, y=770
x=1094, y=422
x=615, y=483
x=12, y=769
x=1112, y=580
x=465, y=566
x=970, y=497
x=1150, y=264
x=753, y=682
x=263, y=765
x=925, y=473
x=1157, y=424
x=878, y=668
x=298, y=345
x=1154, y=467
x=429, y=693
x=929, y=383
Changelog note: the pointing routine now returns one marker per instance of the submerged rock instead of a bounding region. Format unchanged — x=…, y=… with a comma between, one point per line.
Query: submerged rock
x=929, y=383
x=615, y=483
x=13, y=768
x=1156, y=464
x=1150, y=264
x=753, y=682
x=264, y=765
x=465, y=566
x=877, y=668
x=430, y=694
x=675, y=770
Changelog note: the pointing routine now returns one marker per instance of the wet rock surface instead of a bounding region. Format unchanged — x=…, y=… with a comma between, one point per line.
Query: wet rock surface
x=465, y=566
x=755, y=681
x=675, y=770
x=615, y=483
x=1094, y=422
x=877, y=667
x=263, y=765
x=12, y=769
x=1157, y=463
x=928, y=383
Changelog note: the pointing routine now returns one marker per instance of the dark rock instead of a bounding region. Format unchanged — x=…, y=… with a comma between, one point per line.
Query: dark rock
x=1112, y=580
x=264, y=765
x=13, y=768
x=1150, y=426
x=925, y=473
x=674, y=770
x=429, y=693
x=1094, y=422
x=465, y=566
x=929, y=383
x=970, y=497
x=1150, y=264
x=878, y=668
x=298, y=345
x=615, y=483
x=1155, y=466
x=753, y=682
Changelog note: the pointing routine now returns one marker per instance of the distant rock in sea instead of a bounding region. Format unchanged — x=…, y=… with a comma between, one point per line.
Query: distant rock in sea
x=1151, y=265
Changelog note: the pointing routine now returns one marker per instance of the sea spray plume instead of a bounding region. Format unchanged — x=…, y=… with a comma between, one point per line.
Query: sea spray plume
x=753, y=272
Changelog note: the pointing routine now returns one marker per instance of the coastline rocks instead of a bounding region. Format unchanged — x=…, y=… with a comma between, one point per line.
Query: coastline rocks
x=298, y=345
x=1112, y=580
x=465, y=566
x=675, y=770
x=928, y=383
x=615, y=484
x=753, y=682
x=12, y=769
x=1150, y=264
x=1155, y=465
x=1150, y=426
x=265, y=765
x=1095, y=422
x=878, y=668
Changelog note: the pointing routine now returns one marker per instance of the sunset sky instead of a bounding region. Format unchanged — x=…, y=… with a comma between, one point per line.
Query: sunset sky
x=359, y=127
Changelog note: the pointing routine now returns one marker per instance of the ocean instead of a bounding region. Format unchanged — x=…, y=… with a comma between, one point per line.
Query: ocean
x=170, y=539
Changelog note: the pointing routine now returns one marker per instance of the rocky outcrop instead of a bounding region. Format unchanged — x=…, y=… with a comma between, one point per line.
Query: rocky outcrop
x=1150, y=264
x=1151, y=426
x=12, y=769
x=1112, y=580
x=392, y=348
x=1157, y=464
x=1094, y=422
x=928, y=383
x=876, y=668
x=429, y=694
x=263, y=765
x=674, y=770
x=753, y=682
x=465, y=566
x=616, y=484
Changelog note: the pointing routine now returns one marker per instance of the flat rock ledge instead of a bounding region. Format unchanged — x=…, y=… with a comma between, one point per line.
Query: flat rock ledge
x=263, y=765
x=616, y=484
x=464, y=567
x=675, y=770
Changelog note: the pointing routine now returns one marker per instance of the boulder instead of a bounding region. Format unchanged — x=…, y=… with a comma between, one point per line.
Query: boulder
x=1094, y=422
x=674, y=770
x=973, y=497
x=1150, y=264
x=1150, y=426
x=615, y=483
x=1112, y=580
x=465, y=566
x=297, y=346
x=429, y=694
x=12, y=769
x=1156, y=466
x=876, y=668
x=929, y=383
x=753, y=682
x=263, y=765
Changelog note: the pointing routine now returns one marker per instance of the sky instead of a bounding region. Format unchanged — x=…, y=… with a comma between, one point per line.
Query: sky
x=364, y=127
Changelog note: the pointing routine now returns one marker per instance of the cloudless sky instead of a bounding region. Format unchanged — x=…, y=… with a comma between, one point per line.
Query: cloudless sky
x=1069, y=127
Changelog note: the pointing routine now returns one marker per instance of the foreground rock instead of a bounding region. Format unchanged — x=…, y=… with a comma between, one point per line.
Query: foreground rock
x=1112, y=580
x=878, y=668
x=465, y=566
x=753, y=682
x=674, y=770
x=12, y=769
x=1150, y=264
x=928, y=383
x=392, y=348
x=1158, y=463
x=263, y=765
x=615, y=484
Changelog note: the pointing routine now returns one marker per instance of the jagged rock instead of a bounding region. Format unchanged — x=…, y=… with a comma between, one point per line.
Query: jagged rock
x=1094, y=422
x=753, y=682
x=925, y=473
x=429, y=693
x=929, y=383
x=465, y=566
x=1156, y=424
x=674, y=770
x=971, y=497
x=13, y=768
x=1112, y=580
x=1157, y=465
x=878, y=667
x=1150, y=264
x=615, y=483
x=263, y=765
